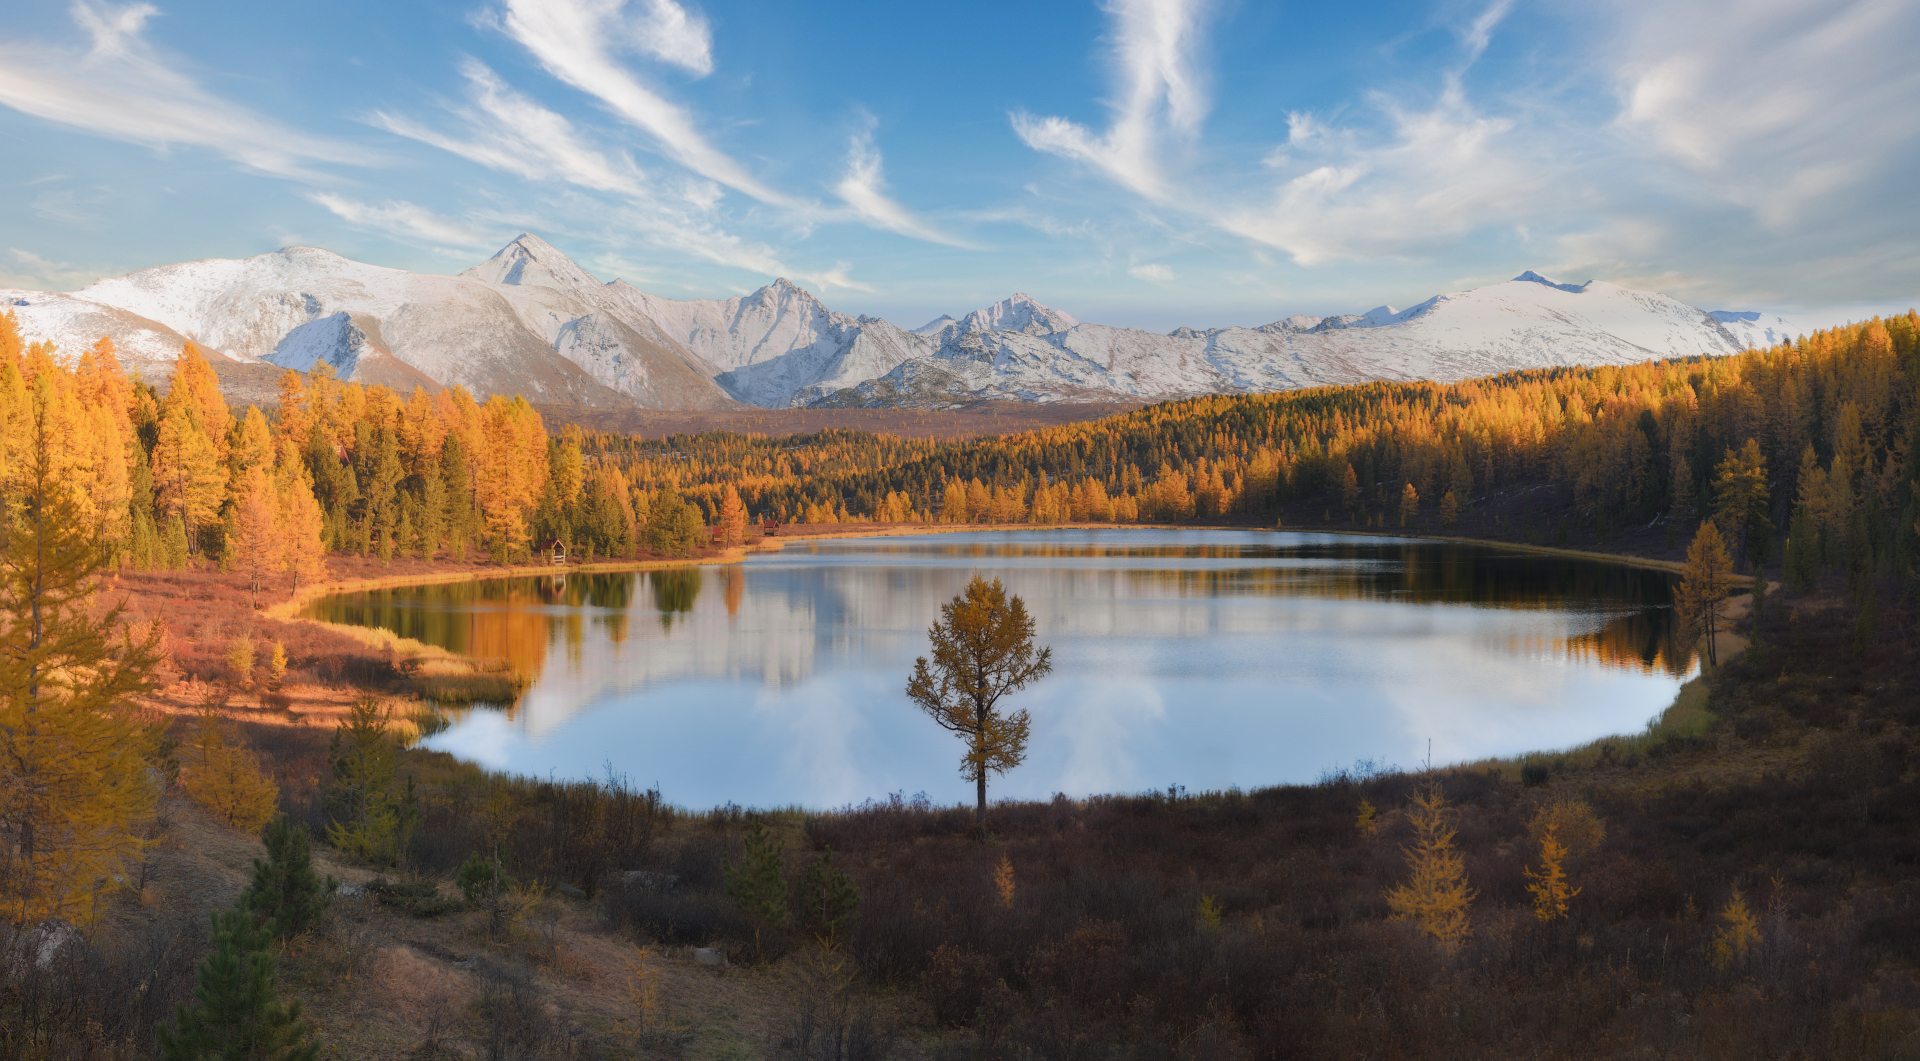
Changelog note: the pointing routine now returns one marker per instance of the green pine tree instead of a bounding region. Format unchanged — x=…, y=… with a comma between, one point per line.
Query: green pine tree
x=236, y=1016
x=1803, y=550
x=758, y=886
x=285, y=889
x=828, y=898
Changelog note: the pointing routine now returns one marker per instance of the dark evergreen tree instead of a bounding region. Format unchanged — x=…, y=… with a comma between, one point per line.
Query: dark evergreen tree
x=285, y=889
x=236, y=1016
x=828, y=898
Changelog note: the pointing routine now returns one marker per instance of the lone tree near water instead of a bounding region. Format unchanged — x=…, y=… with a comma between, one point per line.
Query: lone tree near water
x=982, y=650
x=1703, y=585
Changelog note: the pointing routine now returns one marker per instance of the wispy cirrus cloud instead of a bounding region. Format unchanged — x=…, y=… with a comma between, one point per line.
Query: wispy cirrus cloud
x=1775, y=107
x=122, y=87
x=406, y=222
x=504, y=130
x=1160, y=95
x=508, y=132
x=863, y=189
x=576, y=41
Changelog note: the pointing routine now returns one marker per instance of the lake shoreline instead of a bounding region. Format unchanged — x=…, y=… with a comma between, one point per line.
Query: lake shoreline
x=410, y=655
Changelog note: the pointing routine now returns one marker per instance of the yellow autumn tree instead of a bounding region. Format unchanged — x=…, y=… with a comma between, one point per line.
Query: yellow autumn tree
x=1703, y=585
x=1436, y=897
x=512, y=470
x=193, y=384
x=258, y=543
x=301, y=522
x=1549, y=887
x=223, y=775
x=188, y=479
x=983, y=651
x=1735, y=936
x=733, y=516
x=74, y=781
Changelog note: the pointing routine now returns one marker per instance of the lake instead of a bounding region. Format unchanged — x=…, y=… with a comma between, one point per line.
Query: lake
x=1198, y=658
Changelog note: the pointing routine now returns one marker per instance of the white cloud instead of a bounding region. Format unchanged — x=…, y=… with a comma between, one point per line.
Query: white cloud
x=39, y=274
x=514, y=134
x=1159, y=91
x=124, y=89
x=668, y=33
x=574, y=42
x=1153, y=272
x=1774, y=106
x=863, y=189
x=1436, y=176
x=509, y=132
x=404, y=221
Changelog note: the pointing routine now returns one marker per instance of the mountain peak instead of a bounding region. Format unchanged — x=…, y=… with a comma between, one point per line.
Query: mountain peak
x=1018, y=313
x=531, y=261
x=1533, y=277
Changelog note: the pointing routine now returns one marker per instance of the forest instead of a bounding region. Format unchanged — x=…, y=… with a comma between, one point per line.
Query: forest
x=1741, y=880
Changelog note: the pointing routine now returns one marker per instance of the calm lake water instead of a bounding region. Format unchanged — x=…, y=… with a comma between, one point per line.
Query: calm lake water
x=1197, y=658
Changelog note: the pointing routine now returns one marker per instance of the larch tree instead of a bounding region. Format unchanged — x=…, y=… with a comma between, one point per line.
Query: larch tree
x=1740, y=495
x=983, y=650
x=194, y=385
x=733, y=517
x=302, y=525
x=188, y=478
x=1703, y=585
x=223, y=776
x=1409, y=503
x=1436, y=896
x=74, y=783
x=258, y=541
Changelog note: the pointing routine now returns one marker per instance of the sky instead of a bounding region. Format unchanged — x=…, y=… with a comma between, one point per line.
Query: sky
x=1150, y=163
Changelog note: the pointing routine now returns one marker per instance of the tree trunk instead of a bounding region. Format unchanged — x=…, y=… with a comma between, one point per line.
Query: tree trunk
x=980, y=810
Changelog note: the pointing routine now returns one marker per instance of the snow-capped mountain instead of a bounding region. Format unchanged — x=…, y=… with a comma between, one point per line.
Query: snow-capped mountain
x=1757, y=331
x=1527, y=322
x=769, y=346
x=531, y=321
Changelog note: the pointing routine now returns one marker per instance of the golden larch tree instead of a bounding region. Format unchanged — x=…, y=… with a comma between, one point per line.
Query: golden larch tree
x=1549, y=887
x=258, y=542
x=223, y=775
x=1703, y=585
x=302, y=549
x=1436, y=896
x=187, y=476
x=983, y=650
x=74, y=781
x=733, y=516
x=194, y=384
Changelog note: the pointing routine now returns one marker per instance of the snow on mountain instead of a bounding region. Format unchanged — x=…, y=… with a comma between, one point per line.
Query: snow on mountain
x=1757, y=331
x=531, y=321
x=1528, y=322
x=769, y=346
x=73, y=324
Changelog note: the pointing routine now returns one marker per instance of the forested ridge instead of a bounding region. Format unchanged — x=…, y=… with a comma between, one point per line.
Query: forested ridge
x=1831, y=418
x=1825, y=422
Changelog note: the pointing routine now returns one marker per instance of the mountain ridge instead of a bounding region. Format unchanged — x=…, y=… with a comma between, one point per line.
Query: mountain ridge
x=529, y=320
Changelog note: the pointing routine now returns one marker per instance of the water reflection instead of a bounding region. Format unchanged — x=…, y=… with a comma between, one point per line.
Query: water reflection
x=1206, y=658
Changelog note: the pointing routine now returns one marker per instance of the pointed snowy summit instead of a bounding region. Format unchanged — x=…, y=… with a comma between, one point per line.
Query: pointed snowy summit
x=934, y=326
x=530, y=261
x=1018, y=313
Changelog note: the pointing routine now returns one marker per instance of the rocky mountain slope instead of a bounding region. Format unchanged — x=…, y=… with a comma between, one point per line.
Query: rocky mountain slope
x=531, y=321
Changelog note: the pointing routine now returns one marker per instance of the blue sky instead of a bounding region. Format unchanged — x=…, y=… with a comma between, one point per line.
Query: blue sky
x=1137, y=162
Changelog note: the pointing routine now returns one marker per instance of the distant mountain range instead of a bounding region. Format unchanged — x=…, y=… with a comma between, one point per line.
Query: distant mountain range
x=530, y=321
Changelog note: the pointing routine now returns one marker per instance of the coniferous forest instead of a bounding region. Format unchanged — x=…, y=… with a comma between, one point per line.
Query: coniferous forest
x=219, y=838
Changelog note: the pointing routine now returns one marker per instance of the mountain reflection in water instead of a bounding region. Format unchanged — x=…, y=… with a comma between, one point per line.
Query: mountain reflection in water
x=1476, y=647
